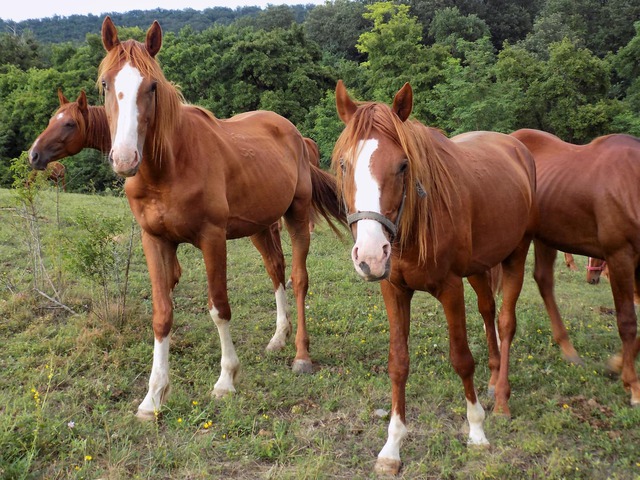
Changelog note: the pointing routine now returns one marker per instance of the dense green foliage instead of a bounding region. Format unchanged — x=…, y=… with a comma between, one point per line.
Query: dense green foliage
x=570, y=68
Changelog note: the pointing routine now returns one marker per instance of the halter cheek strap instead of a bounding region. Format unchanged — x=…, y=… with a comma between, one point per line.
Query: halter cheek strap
x=384, y=221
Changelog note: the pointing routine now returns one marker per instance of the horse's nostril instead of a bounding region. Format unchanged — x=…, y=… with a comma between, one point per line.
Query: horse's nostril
x=364, y=266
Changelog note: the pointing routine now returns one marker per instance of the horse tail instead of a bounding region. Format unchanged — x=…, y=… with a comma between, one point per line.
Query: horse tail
x=324, y=199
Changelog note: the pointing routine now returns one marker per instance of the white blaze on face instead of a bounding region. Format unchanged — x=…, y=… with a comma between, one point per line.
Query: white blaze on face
x=126, y=145
x=371, y=251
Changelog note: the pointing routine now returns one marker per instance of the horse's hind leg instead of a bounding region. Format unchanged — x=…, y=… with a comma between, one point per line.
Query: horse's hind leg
x=570, y=262
x=543, y=274
x=268, y=244
x=512, y=280
x=622, y=277
x=297, y=221
x=452, y=299
x=481, y=284
x=214, y=251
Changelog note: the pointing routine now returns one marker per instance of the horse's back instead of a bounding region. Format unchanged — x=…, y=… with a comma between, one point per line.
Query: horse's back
x=585, y=192
x=260, y=161
x=499, y=185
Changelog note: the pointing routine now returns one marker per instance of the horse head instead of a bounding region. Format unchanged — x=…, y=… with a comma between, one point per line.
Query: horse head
x=372, y=167
x=131, y=80
x=64, y=136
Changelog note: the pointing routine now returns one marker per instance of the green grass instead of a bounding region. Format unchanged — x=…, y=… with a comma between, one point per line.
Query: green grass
x=70, y=383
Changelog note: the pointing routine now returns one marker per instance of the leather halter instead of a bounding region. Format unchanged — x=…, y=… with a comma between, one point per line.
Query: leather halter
x=596, y=269
x=381, y=219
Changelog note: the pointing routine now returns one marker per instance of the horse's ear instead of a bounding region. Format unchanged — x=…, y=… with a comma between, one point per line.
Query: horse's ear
x=403, y=102
x=62, y=98
x=154, y=39
x=345, y=106
x=82, y=101
x=109, y=34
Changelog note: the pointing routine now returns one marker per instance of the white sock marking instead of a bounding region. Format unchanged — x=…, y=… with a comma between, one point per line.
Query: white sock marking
x=159, y=378
x=396, y=433
x=229, y=360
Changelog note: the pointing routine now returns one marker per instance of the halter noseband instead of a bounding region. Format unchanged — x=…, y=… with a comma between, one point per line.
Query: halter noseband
x=381, y=219
x=596, y=269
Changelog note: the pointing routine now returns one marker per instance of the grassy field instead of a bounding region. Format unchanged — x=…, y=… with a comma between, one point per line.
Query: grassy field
x=73, y=369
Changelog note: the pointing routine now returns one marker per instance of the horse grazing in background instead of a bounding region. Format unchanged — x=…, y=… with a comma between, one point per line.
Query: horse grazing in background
x=74, y=126
x=193, y=178
x=55, y=172
x=597, y=268
x=588, y=197
x=423, y=218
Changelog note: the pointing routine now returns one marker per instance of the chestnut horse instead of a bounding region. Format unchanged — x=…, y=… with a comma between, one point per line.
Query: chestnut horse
x=192, y=178
x=77, y=125
x=423, y=218
x=602, y=222
x=54, y=171
x=74, y=126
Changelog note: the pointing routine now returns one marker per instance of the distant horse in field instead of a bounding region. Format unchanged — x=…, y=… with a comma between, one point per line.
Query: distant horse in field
x=588, y=197
x=597, y=268
x=193, y=178
x=55, y=172
x=422, y=218
x=74, y=126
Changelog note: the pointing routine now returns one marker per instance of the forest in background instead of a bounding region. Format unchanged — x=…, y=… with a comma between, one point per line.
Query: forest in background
x=564, y=66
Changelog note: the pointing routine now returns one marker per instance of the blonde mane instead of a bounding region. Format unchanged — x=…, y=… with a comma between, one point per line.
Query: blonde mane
x=168, y=97
x=419, y=221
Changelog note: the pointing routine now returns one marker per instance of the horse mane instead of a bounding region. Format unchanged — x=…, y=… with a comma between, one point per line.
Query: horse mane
x=419, y=222
x=169, y=99
x=97, y=128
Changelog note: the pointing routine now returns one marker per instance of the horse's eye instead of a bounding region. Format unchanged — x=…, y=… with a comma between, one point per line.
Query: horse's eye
x=403, y=167
x=154, y=87
x=70, y=125
x=104, y=85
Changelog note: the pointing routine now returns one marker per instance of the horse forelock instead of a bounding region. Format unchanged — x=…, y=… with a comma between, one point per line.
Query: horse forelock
x=168, y=97
x=419, y=221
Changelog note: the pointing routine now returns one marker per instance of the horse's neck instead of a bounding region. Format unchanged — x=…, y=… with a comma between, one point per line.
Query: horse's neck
x=98, y=134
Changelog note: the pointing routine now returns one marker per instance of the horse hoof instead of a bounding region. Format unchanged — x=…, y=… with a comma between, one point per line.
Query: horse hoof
x=302, y=366
x=491, y=391
x=388, y=466
x=479, y=445
x=614, y=365
x=145, y=415
x=574, y=359
x=222, y=392
x=501, y=411
x=275, y=345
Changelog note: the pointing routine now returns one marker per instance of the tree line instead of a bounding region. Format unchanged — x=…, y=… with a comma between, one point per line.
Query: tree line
x=569, y=67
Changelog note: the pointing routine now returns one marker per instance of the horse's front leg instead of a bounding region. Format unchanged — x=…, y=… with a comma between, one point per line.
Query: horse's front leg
x=398, y=304
x=545, y=258
x=164, y=272
x=270, y=247
x=297, y=222
x=214, y=251
x=451, y=296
